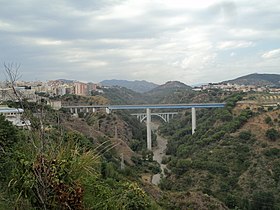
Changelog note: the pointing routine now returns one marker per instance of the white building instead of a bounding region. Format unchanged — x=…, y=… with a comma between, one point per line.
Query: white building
x=14, y=115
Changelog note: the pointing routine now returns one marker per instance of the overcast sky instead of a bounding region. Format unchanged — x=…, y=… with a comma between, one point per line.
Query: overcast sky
x=193, y=41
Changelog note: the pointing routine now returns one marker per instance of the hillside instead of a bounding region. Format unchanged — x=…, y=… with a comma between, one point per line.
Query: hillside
x=122, y=95
x=137, y=85
x=231, y=162
x=257, y=79
x=233, y=156
x=74, y=162
x=170, y=85
x=170, y=92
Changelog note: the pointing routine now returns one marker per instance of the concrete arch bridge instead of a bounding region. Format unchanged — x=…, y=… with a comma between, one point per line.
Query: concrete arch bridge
x=165, y=116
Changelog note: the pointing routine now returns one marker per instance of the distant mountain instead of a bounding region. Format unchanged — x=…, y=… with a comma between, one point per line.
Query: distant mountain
x=170, y=92
x=137, y=85
x=171, y=85
x=122, y=95
x=66, y=80
x=199, y=84
x=257, y=79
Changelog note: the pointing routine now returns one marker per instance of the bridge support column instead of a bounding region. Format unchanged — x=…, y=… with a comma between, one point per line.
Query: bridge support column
x=193, y=120
x=108, y=111
x=149, y=132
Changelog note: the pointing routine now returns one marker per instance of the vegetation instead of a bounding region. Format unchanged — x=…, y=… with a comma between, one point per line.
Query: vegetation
x=221, y=160
x=91, y=100
x=257, y=79
x=137, y=86
x=272, y=134
x=64, y=175
x=64, y=162
x=50, y=167
x=121, y=95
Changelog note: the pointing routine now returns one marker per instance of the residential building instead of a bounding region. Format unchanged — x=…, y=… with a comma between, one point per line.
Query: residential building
x=14, y=115
x=80, y=88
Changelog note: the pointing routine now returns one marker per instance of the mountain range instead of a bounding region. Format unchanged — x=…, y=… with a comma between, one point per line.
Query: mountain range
x=257, y=79
x=145, y=86
x=137, y=85
x=171, y=85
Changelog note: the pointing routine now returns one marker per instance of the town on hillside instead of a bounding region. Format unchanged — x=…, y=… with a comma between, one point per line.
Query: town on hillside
x=34, y=90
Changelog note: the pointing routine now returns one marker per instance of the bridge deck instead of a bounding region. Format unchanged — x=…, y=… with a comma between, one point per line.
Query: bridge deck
x=144, y=113
x=153, y=106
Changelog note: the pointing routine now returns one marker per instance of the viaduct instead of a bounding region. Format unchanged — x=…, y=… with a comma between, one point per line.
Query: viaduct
x=141, y=116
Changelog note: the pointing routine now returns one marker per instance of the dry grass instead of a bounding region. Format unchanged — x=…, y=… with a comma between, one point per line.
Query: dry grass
x=258, y=126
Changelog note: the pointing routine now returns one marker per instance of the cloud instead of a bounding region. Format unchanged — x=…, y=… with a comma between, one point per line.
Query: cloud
x=227, y=45
x=156, y=40
x=272, y=54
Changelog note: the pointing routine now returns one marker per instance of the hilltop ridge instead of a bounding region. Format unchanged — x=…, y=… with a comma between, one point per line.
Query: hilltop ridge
x=257, y=79
x=140, y=86
x=171, y=85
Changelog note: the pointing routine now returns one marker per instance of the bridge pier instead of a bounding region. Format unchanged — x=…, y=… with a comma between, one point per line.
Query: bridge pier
x=193, y=120
x=108, y=111
x=165, y=116
x=149, y=132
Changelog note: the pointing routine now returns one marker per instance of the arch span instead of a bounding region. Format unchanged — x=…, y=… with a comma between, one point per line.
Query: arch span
x=166, y=116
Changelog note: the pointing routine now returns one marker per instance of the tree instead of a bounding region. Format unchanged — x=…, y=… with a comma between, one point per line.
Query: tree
x=263, y=201
x=58, y=169
x=8, y=135
x=268, y=120
x=8, y=138
x=272, y=134
x=245, y=135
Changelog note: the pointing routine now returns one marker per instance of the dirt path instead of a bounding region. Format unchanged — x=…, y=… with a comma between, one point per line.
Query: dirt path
x=159, y=152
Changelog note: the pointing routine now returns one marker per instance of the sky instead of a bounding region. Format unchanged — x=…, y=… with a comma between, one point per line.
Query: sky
x=155, y=40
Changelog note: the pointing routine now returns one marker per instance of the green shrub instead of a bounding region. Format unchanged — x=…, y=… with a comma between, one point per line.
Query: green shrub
x=268, y=120
x=263, y=200
x=273, y=152
x=272, y=134
x=165, y=159
x=245, y=135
